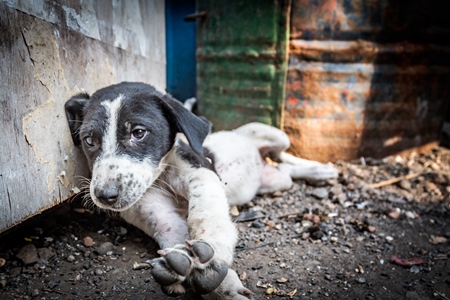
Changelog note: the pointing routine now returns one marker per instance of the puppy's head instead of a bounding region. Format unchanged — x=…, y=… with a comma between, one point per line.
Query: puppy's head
x=125, y=130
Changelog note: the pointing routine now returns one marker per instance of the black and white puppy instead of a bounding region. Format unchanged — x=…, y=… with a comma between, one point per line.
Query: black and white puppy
x=153, y=161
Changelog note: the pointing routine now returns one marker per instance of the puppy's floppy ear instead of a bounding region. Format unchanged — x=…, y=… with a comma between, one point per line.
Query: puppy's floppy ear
x=194, y=128
x=75, y=108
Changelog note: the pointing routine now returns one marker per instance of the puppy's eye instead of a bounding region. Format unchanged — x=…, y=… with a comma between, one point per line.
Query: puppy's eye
x=89, y=141
x=138, y=134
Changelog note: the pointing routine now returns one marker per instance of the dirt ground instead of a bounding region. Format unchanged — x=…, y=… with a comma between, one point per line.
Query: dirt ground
x=325, y=240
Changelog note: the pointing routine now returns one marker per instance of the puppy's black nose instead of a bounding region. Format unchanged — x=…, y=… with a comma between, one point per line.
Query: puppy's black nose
x=107, y=195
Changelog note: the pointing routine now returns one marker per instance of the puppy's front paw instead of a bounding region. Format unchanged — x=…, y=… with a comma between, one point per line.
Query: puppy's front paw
x=230, y=289
x=188, y=266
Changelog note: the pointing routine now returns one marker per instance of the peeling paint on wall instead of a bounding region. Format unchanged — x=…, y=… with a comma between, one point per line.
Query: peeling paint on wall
x=48, y=120
x=36, y=8
x=124, y=13
x=85, y=22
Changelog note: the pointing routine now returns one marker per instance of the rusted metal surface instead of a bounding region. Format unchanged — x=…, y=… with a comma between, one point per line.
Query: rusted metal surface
x=361, y=97
x=372, y=20
x=361, y=51
x=343, y=111
x=242, y=61
x=335, y=19
x=49, y=51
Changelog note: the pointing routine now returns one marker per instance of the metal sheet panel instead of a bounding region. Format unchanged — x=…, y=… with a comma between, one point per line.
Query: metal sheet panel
x=372, y=20
x=343, y=111
x=242, y=61
x=358, y=94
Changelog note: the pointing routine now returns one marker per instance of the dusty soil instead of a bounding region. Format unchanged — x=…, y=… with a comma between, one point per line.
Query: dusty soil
x=335, y=240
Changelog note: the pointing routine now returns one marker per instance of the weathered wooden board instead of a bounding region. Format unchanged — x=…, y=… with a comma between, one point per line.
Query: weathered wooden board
x=48, y=52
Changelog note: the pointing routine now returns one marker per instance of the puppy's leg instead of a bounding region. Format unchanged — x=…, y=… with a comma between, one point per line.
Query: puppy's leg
x=273, y=180
x=230, y=289
x=159, y=217
x=273, y=143
x=269, y=140
x=202, y=262
x=299, y=168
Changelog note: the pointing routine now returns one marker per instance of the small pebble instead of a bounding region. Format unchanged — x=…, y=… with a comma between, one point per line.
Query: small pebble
x=98, y=272
x=243, y=276
x=320, y=193
x=28, y=254
x=140, y=266
x=317, y=235
x=315, y=219
x=306, y=223
x=270, y=224
x=14, y=272
x=53, y=283
x=45, y=253
x=70, y=258
x=371, y=229
x=104, y=248
x=410, y=215
x=122, y=231
x=361, y=280
x=394, y=214
x=282, y=280
x=234, y=212
x=305, y=235
x=88, y=241
x=405, y=184
x=412, y=295
x=258, y=224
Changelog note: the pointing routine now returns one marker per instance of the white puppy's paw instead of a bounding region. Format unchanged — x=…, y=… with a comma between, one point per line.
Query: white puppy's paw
x=323, y=172
x=190, y=266
x=230, y=289
x=312, y=172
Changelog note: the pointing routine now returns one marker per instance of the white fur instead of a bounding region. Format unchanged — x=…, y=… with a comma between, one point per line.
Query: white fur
x=134, y=176
x=240, y=162
x=109, y=142
x=175, y=201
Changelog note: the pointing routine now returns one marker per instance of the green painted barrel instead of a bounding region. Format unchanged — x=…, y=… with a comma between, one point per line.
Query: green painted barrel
x=242, y=61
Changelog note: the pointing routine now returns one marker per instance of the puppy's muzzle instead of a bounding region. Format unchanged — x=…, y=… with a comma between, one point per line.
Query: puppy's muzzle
x=107, y=195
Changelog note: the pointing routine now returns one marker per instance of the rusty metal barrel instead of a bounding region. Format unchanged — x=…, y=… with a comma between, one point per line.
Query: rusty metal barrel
x=366, y=78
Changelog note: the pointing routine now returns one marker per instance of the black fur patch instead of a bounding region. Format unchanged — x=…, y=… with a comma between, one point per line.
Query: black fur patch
x=159, y=115
x=196, y=160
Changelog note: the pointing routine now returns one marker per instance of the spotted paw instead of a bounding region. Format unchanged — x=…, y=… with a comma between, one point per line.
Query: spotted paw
x=190, y=266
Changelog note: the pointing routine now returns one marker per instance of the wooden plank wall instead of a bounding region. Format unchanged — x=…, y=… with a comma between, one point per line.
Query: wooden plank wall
x=50, y=50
